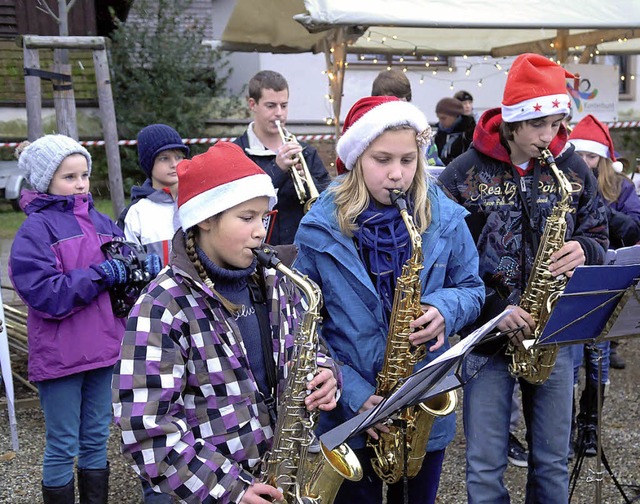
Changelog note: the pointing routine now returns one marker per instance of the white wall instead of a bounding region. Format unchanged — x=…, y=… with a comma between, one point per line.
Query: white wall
x=309, y=86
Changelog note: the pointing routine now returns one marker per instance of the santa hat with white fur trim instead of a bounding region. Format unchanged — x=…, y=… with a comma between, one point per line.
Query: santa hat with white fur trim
x=535, y=87
x=590, y=135
x=217, y=180
x=370, y=117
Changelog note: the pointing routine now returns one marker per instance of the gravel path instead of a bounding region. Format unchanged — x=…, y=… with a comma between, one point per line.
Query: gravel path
x=20, y=473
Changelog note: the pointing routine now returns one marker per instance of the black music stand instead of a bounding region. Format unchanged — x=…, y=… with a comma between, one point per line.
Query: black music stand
x=599, y=303
x=431, y=380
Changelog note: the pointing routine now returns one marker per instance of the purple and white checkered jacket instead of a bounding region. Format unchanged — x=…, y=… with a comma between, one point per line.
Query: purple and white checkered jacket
x=193, y=421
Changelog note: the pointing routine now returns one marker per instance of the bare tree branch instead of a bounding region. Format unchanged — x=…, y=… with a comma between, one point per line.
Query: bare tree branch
x=70, y=4
x=44, y=7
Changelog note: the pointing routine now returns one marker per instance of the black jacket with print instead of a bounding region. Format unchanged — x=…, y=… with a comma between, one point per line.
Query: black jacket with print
x=484, y=182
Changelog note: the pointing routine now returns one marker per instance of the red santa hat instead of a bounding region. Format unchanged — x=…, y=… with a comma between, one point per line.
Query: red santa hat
x=590, y=135
x=536, y=87
x=370, y=117
x=217, y=180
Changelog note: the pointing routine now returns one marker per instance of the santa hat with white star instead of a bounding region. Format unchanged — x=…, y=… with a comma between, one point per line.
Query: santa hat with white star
x=536, y=87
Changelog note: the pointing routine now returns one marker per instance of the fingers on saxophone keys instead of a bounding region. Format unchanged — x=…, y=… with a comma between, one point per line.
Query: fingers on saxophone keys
x=309, y=380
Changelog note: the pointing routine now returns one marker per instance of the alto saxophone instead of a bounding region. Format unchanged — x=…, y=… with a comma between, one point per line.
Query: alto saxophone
x=542, y=291
x=303, y=183
x=303, y=477
x=401, y=451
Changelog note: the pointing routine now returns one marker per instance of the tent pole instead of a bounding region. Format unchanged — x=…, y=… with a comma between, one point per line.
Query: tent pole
x=335, y=52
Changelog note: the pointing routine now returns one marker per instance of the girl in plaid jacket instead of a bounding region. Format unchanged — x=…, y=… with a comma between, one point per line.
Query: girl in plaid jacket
x=193, y=391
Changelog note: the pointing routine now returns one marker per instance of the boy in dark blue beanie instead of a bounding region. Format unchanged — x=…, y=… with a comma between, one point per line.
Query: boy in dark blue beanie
x=148, y=220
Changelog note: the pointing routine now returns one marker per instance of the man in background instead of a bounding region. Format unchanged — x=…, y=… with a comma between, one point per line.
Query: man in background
x=269, y=102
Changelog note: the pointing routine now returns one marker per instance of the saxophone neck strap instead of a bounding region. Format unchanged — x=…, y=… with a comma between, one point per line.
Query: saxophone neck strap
x=257, y=291
x=528, y=202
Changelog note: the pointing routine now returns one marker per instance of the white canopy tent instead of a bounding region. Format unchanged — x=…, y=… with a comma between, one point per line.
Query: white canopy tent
x=495, y=28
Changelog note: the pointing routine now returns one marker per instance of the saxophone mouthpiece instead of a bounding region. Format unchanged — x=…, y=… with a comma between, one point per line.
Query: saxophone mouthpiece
x=398, y=198
x=546, y=156
x=266, y=256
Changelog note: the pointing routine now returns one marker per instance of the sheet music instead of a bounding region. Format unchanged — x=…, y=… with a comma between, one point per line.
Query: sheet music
x=624, y=256
x=414, y=389
x=625, y=322
x=472, y=339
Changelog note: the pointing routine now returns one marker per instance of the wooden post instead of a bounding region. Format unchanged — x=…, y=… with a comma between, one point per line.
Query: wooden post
x=105, y=101
x=561, y=46
x=335, y=52
x=64, y=99
x=109, y=129
x=33, y=92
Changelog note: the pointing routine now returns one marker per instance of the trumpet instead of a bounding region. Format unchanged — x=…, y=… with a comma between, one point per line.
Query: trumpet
x=303, y=183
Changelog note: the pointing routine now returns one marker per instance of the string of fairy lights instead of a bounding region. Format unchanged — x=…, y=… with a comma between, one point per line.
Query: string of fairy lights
x=410, y=58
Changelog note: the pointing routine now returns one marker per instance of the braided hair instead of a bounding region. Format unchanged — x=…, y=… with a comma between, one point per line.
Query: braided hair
x=190, y=247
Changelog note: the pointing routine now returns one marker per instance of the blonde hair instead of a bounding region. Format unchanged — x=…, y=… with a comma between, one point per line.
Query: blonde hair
x=352, y=197
x=609, y=182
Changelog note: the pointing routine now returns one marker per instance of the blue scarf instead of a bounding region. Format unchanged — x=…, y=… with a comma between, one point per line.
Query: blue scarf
x=383, y=243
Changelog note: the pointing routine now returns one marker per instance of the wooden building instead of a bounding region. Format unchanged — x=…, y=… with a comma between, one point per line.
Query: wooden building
x=25, y=17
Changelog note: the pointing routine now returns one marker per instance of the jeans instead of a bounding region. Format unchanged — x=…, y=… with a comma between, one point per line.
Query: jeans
x=486, y=413
x=589, y=355
x=422, y=488
x=77, y=414
x=516, y=408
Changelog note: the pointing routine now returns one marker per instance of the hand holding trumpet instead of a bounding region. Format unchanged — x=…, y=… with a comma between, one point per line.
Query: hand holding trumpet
x=289, y=157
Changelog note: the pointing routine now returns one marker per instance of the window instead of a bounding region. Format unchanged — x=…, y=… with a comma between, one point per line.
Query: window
x=626, y=66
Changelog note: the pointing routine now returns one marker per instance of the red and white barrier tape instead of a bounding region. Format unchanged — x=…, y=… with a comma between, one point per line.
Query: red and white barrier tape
x=92, y=143
x=623, y=124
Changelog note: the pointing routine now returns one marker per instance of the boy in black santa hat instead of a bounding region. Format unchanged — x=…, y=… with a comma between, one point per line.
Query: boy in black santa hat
x=510, y=194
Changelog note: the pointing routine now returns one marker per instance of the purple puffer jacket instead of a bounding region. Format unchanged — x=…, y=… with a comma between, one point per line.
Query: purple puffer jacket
x=628, y=202
x=71, y=324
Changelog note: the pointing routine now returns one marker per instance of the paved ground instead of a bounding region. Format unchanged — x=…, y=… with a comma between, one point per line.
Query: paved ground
x=20, y=473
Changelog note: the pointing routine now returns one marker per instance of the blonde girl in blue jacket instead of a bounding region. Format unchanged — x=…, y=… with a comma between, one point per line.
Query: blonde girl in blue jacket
x=353, y=243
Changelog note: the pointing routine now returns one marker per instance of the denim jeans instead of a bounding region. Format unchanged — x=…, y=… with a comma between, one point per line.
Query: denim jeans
x=77, y=414
x=589, y=355
x=547, y=413
x=516, y=408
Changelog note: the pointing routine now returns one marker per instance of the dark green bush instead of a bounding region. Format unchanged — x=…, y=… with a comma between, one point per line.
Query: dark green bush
x=162, y=73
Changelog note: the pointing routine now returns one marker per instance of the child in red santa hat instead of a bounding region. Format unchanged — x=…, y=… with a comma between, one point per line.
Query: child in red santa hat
x=354, y=244
x=207, y=345
x=593, y=144
x=510, y=194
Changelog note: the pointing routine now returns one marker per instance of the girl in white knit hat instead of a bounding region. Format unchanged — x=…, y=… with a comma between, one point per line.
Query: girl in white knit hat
x=593, y=143
x=59, y=270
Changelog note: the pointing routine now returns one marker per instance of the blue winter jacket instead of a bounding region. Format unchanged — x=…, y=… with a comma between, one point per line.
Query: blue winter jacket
x=53, y=266
x=353, y=323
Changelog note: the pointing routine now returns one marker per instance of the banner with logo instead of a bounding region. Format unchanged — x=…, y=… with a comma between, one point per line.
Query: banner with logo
x=596, y=93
